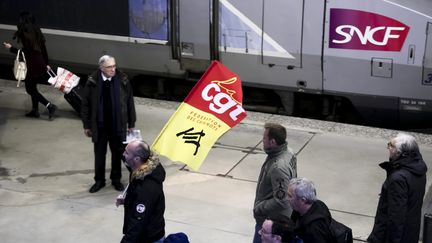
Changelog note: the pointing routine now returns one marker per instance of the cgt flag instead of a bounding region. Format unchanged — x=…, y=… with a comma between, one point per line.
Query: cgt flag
x=213, y=106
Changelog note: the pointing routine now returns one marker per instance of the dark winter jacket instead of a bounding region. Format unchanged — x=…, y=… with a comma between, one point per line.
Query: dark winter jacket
x=271, y=200
x=314, y=225
x=145, y=205
x=89, y=109
x=399, y=208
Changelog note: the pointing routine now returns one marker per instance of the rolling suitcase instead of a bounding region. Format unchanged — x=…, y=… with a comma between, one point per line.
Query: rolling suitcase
x=74, y=98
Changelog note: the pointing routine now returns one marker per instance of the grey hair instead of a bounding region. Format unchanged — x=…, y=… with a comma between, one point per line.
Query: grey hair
x=103, y=59
x=304, y=188
x=405, y=143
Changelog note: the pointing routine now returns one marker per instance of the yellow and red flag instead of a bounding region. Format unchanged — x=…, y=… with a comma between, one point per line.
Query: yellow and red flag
x=213, y=106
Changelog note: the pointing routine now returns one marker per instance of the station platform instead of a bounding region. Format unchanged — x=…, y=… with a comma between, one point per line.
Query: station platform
x=46, y=170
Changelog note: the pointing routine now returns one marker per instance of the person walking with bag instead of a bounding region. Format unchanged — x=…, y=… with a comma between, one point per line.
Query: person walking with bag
x=33, y=46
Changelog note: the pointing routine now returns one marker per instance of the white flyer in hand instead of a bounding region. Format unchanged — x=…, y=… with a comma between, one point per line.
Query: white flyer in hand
x=132, y=136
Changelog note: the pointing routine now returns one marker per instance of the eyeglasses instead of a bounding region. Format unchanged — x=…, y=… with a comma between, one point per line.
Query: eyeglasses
x=110, y=67
x=390, y=145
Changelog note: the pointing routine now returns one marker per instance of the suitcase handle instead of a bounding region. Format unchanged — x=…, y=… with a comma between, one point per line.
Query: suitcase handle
x=51, y=73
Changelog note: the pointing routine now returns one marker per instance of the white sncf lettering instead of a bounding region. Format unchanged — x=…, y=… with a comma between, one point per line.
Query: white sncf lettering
x=348, y=32
x=221, y=102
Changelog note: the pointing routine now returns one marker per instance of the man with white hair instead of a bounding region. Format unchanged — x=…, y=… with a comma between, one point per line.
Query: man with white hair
x=108, y=113
x=398, y=214
x=310, y=222
x=311, y=216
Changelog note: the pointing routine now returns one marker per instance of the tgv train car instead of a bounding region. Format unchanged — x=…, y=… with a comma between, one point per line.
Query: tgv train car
x=372, y=55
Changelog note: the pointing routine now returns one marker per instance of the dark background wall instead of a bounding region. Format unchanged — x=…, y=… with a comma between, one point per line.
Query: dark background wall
x=93, y=16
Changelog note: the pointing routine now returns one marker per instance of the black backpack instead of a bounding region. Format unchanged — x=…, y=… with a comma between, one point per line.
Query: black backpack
x=340, y=232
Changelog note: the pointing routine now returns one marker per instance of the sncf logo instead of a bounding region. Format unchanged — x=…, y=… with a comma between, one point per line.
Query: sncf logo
x=354, y=29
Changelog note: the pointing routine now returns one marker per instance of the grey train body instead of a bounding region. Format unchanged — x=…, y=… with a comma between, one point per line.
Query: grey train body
x=375, y=55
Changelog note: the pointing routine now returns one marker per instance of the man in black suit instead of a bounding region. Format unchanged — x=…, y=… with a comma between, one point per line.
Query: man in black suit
x=108, y=113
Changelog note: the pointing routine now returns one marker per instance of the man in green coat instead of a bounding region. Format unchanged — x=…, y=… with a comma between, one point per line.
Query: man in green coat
x=279, y=168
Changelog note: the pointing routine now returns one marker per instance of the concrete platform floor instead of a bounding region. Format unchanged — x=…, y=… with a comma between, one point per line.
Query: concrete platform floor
x=46, y=169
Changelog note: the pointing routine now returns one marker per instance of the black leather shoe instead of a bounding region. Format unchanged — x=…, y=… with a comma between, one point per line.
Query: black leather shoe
x=33, y=113
x=118, y=185
x=97, y=186
x=51, y=110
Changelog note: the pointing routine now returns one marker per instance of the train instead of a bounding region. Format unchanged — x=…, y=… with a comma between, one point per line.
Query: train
x=371, y=56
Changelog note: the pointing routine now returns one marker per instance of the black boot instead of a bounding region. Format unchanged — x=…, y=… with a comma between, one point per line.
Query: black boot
x=51, y=110
x=33, y=113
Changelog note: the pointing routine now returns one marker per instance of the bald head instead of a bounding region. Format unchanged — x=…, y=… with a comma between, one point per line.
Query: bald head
x=136, y=153
x=140, y=149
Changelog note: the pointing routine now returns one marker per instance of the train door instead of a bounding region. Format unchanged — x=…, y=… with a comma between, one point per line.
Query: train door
x=427, y=62
x=194, y=34
x=281, y=33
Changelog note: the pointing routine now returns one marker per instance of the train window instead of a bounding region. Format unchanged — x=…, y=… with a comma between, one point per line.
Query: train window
x=242, y=31
x=148, y=19
x=238, y=32
x=98, y=16
x=134, y=18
